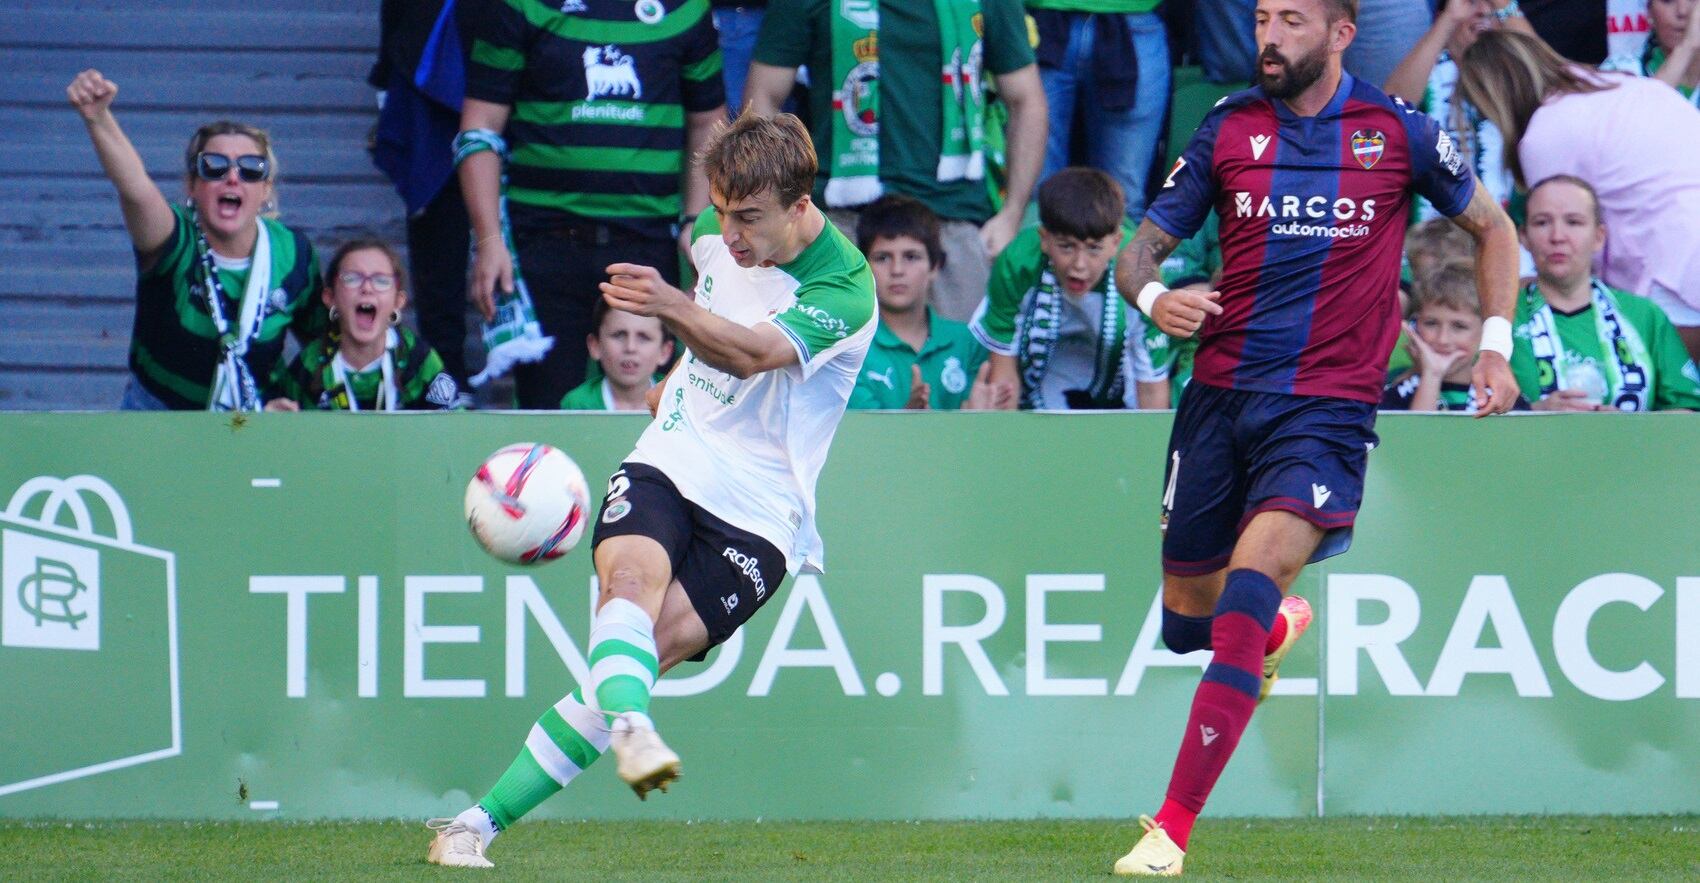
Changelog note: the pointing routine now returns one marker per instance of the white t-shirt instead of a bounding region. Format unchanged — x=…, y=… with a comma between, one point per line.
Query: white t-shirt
x=749, y=451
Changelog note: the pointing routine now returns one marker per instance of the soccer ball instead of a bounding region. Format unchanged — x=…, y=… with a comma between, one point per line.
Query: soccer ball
x=528, y=504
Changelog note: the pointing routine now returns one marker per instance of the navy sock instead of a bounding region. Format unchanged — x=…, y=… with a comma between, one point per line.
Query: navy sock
x=1184, y=634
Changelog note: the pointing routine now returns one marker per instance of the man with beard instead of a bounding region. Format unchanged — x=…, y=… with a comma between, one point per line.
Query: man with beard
x=1311, y=174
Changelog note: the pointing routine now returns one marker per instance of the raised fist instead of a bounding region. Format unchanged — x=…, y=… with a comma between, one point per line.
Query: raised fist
x=91, y=94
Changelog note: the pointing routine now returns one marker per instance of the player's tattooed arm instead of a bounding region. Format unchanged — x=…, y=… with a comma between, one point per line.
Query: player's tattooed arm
x=1178, y=313
x=1141, y=262
x=1496, y=286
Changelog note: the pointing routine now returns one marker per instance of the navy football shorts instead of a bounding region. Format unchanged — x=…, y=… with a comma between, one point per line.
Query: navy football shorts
x=1235, y=453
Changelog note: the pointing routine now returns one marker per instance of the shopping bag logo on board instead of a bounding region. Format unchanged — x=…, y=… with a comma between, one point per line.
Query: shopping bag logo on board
x=84, y=609
x=52, y=593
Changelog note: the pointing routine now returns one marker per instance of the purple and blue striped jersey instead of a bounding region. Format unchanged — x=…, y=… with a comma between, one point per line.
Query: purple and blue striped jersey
x=1313, y=213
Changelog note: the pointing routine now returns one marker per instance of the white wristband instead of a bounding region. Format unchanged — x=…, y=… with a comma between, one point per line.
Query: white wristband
x=1496, y=336
x=1148, y=296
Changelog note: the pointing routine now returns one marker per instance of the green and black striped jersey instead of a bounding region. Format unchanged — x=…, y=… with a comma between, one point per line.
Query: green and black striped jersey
x=174, y=344
x=599, y=91
x=420, y=381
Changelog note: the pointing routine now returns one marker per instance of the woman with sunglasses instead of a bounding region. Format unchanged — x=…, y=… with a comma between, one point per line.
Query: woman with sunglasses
x=368, y=361
x=216, y=283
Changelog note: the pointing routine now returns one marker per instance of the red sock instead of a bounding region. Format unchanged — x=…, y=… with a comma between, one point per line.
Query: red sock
x=1176, y=821
x=1277, y=634
x=1226, y=697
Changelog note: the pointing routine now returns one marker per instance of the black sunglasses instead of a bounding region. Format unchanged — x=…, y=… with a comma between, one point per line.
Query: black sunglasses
x=251, y=168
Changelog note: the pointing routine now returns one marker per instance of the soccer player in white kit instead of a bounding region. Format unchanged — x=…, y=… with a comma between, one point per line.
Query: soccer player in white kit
x=717, y=502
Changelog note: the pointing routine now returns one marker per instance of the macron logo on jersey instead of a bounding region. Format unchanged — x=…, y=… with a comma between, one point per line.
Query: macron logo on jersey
x=1259, y=143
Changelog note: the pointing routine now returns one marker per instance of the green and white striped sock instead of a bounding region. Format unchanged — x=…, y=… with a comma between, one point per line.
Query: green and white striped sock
x=566, y=740
x=623, y=663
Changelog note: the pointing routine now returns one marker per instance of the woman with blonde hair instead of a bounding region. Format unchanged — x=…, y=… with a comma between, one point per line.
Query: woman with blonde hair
x=217, y=283
x=1631, y=138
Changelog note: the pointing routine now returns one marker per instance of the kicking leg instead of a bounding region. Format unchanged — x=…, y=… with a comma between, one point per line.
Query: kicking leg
x=1267, y=559
x=635, y=574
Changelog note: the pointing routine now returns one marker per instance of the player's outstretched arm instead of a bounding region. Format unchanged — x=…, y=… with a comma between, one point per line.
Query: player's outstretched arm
x=717, y=342
x=1496, y=286
x=1178, y=313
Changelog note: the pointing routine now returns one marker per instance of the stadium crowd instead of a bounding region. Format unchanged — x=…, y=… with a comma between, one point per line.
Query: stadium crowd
x=990, y=158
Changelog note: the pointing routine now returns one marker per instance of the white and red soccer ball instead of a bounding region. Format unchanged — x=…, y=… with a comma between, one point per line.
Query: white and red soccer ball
x=528, y=504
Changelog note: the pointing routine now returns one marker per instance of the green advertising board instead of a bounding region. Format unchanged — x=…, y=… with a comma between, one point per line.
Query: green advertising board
x=285, y=617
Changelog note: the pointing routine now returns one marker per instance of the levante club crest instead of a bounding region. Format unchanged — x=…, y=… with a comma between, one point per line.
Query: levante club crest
x=1367, y=146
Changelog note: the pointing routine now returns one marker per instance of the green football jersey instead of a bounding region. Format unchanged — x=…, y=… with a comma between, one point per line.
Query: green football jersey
x=600, y=91
x=421, y=384
x=174, y=344
x=1075, y=354
x=949, y=359
x=1585, y=357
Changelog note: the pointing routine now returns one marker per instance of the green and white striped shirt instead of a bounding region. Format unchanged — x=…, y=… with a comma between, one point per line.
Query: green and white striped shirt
x=599, y=91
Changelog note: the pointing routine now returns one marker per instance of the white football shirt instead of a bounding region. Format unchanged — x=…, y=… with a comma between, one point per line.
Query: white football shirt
x=749, y=451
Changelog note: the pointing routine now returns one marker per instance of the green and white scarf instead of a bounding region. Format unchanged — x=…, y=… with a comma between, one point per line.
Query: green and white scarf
x=854, y=163
x=515, y=335
x=1036, y=343
x=1629, y=379
x=341, y=387
x=1477, y=139
x=233, y=386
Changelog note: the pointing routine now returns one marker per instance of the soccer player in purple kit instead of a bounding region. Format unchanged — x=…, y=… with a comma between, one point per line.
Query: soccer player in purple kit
x=1311, y=174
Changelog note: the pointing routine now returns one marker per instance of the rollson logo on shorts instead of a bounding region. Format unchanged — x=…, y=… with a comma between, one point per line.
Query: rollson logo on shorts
x=751, y=568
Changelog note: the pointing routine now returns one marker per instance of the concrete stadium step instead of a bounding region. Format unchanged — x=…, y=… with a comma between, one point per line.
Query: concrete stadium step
x=219, y=8
x=176, y=27
x=122, y=64
x=52, y=348
x=169, y=129
x=69, y=213
x=74, y=319
x=87, y=389
x=239, y=87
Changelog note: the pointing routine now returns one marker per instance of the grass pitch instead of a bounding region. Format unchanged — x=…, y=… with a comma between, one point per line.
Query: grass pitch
x=1485, y=848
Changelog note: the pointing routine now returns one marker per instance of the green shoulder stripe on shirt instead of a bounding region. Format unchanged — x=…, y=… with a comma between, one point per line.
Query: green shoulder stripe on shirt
x=835, y=294
x=828, y=311
x=598, y=205
x=589, y=30
x=602, y=112
x=497, y=57
x=702, y=70
x=708, y=224
x=589, y=159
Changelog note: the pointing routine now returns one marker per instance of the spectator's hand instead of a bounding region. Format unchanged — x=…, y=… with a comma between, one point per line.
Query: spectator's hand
x=1459, y=13
x=640, y=290
x=1427, y=361
x=91, y=94
x=1690, y=34
x=492, y=271
x=653, y=398
x=1567, y=400
x=984, y=395
x=281, y=404
x=1492, y=377
x=1180, y=312
x=919, y=392
x=997, y=232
